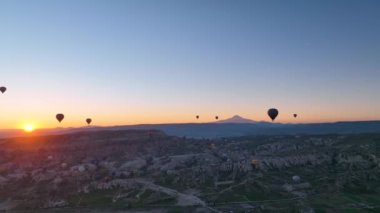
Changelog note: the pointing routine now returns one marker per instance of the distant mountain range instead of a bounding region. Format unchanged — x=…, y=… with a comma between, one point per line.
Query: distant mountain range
x=236, y=119
x=232, y=127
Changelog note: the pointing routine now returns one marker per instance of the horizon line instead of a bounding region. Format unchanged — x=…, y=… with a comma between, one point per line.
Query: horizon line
x=197, y=123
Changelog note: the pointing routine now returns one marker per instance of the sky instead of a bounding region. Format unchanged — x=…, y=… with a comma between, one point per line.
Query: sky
x=139, y=61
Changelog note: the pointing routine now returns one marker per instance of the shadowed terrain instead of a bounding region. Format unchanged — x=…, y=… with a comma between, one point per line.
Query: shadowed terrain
x=141, y=170
x=233, y=127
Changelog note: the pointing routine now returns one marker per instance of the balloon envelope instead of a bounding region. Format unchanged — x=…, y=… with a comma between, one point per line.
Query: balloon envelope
x=295, y=115
x=216, y=117
x=60, y=117
x=88, y=121
x=3, y=89
x=197, y=116
x=273, y=113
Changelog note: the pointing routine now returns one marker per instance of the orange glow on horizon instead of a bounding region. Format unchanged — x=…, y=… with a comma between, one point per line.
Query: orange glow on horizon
x=178, y=118
x=41, y=119
x=29, y=128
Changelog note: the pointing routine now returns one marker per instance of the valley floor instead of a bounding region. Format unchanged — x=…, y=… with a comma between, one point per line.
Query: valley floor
x=148, y=171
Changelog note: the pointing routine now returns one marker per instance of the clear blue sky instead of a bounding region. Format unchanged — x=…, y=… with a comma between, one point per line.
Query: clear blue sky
x=165, y=61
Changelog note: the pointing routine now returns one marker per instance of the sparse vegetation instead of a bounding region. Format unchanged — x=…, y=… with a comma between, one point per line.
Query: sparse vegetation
x=122, y=170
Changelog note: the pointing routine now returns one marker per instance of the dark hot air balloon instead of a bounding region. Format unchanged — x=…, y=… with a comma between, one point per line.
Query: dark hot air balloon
x=60, y=117
x=88, y=120
x=197, y=116
x=295, y=115
x=273, y=113
x=3, y=89
x=216, y=117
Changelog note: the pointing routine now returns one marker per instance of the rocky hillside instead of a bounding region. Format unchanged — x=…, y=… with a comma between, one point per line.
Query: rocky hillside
x=144, y=170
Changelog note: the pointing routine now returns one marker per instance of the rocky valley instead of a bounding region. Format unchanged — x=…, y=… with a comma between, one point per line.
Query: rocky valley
x=147, y=170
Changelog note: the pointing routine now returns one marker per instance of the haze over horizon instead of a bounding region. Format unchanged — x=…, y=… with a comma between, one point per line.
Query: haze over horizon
x=133, y=62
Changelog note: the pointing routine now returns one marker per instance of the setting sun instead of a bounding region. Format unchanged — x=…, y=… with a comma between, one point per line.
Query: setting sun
x=28, y=128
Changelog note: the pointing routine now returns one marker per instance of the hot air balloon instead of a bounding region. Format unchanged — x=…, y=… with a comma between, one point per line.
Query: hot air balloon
x=197, y=116
x=60, y=117
x=273, y=113
x=88, y=120
x=295, y=115
x=216, y=117
x=3, y=89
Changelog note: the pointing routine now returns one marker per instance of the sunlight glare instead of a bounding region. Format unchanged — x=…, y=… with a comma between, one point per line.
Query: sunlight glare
x=28, y=128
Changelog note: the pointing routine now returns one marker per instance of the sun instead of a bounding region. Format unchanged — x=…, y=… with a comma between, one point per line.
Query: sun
x=28, y=128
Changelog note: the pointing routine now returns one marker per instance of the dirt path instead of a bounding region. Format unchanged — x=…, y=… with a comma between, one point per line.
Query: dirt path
x=183, y=199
